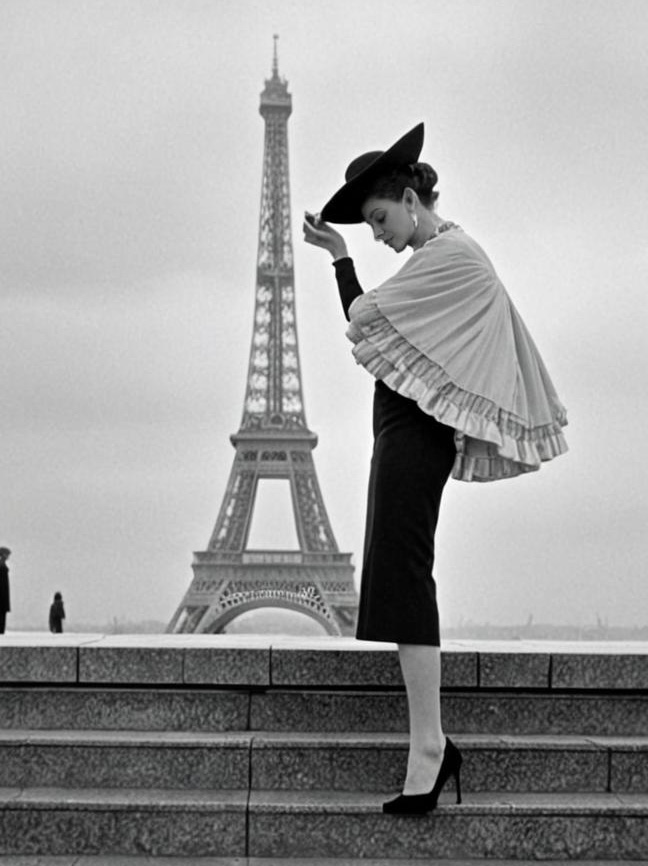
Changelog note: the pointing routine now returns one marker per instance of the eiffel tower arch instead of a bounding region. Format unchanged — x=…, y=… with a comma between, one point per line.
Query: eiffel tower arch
x=273, y=442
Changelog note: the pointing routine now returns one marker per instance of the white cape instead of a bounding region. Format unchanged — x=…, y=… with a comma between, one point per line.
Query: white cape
x=444, y=332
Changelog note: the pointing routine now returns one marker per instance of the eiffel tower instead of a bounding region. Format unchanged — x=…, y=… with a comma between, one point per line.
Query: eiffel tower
x=273, y=442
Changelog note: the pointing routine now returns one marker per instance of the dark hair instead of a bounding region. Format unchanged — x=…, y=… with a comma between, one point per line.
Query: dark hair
x=419, y=176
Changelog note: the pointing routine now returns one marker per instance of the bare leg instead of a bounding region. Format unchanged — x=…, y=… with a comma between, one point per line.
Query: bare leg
x=421, y=667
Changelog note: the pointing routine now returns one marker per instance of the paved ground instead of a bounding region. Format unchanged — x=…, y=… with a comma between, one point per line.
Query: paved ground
x=261, y=641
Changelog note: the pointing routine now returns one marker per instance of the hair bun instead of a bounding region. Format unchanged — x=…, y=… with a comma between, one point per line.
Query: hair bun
x=424, y=177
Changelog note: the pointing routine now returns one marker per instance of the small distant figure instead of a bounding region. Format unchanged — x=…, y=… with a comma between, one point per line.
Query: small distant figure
x=5, y=607
x=56, y=614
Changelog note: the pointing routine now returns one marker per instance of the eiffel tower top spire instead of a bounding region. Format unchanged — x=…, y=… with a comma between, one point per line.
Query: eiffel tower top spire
x=275, y=95
x=275, y=60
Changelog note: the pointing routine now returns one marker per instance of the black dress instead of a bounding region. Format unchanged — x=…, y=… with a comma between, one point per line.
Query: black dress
x=413, y=456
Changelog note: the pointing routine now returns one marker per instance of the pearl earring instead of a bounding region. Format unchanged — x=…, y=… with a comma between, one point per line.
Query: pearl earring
x=415, y=220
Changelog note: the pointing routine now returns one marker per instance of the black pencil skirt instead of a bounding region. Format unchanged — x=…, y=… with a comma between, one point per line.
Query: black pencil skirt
x=412, y=459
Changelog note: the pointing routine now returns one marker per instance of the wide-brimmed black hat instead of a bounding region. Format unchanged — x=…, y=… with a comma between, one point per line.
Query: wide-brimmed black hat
x=344, y=206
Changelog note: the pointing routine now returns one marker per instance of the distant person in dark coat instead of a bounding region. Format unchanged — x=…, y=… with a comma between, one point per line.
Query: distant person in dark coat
x=56, y=614
x=5, y=607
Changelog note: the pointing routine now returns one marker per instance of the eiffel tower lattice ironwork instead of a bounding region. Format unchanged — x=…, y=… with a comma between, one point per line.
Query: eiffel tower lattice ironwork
x=273, y=442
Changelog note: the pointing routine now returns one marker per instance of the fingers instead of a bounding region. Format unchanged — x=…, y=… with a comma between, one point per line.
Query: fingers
x=318, y=229
x=315, y=224
x=321, y=234
x=315, y=231
x=310, y=234
x=310, y=237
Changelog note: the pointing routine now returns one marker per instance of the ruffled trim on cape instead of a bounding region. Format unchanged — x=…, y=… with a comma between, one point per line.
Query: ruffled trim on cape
x=492, y=443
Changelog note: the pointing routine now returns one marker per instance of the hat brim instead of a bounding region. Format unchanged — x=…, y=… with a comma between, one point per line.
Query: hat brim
x=345, y=205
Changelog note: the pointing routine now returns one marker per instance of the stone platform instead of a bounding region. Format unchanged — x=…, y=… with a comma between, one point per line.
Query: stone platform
x=261, y=750
x=248, y=660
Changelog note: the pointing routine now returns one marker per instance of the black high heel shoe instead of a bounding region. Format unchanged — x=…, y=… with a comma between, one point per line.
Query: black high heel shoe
x=419, y=804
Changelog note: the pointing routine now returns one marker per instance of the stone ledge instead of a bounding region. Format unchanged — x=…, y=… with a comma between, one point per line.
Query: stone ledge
x=28, y=664
x=611, y=671
x=272, y=661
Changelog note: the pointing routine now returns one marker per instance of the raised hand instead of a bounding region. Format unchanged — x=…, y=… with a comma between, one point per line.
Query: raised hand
x=321, y=234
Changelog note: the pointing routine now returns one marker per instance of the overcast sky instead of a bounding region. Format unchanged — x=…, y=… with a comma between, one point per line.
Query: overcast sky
x=131, y=153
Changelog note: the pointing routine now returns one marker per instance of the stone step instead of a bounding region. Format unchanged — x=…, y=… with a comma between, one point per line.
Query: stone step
x=506, y=826
x=377, y=762
x=305, y=761
x=239, y=709
x=139, y=709
x=108, y=860
x=124, y=759
x=58, y=821
x=490, y=712
x=296, y=824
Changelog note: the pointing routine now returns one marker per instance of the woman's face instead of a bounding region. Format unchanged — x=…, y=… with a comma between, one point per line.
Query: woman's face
x=390, y=222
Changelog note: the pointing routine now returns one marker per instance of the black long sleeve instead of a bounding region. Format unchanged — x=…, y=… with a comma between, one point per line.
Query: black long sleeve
x=347, y=281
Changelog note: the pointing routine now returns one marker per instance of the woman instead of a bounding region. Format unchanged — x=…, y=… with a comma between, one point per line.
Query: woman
x=460, y=389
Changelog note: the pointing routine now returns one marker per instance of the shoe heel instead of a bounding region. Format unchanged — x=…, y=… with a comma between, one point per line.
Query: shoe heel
x=458, y=786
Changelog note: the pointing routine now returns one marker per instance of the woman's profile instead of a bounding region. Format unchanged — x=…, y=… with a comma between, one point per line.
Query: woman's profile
x=460, y=391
